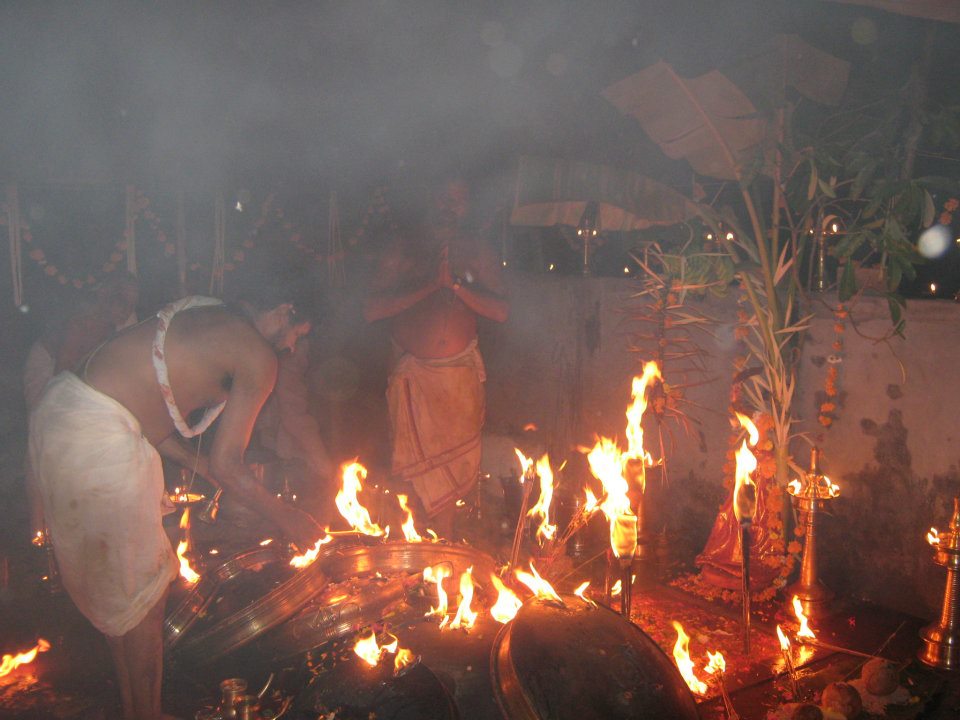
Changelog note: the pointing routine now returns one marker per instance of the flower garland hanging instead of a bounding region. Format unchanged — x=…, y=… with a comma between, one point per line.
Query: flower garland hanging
x=828, y=408
x=143, y=212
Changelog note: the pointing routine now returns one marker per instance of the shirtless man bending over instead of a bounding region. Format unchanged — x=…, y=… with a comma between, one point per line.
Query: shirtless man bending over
x=433, y=288
x=95, y=443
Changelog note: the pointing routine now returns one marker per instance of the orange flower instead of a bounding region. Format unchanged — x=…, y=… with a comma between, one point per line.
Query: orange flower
x=952, y=204
x=37, y=254
x=837, y=346
x=794, y=547
x=945, y=218
x=61, y=279
x=50, y=270
x=825, y=421
x=799, y=531
x=827, y=407
x=239, y=256
x=838, y=328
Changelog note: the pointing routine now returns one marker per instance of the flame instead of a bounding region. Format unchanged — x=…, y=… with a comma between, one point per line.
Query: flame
x=348, y=504
x=403, y=658
x=302, y=561
x=635, y=415
x=744, y=491
x=933, y=537
x=590, y=504
x=186, y=572
x=832, y=488
x=507, y=604
x=546, y=531
x=437, y=574
x=367, y=649
x=581, y=592
x=795, y=487
x=12, y=662
x=715, y=663
x=617, y=588
x=623, y=535
x=409, y=531
x=525, y=465
x=465, y=617
x=606, y=466
x=540, y=587
x=265, y=542
x=681, y=655
x=784, y=640
x=804, y=630
x=391, y=647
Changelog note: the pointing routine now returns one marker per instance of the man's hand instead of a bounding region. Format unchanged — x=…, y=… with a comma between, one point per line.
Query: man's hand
x=300, y=529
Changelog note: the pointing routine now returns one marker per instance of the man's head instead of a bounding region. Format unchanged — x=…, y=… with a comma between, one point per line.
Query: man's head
x=117, y=297
x=280, y=314
x=451, y=202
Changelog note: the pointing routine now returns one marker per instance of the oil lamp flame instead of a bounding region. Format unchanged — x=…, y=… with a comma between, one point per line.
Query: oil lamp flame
x=744, y=491
x=616, y=588
x=635, y=412
x=349, y=505
x=437, y=574
x=581, y=592
x=186, y=572
x=307, y=558
x=409, y=531
x=681, y=655
x=540, y=587
x=715, y=663
x=9, y=663
x=465, y=617
x=546, y=531
x=795, y=487
x=507, y=604
x=804, y=630
x=933, y=537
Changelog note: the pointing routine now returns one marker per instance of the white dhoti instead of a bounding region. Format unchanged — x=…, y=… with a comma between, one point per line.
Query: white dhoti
x=101, y=484
x=436, y=415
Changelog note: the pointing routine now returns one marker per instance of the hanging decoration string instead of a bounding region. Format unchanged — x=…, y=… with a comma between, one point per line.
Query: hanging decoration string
x=219, y=245
x=13, y=228
x=335, y=270
x=130, y=228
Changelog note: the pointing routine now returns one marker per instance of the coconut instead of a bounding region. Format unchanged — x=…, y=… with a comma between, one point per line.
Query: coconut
x=843, y=698
x=880, y=677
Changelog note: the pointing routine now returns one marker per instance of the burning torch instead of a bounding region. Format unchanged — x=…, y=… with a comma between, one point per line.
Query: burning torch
x=744, y=508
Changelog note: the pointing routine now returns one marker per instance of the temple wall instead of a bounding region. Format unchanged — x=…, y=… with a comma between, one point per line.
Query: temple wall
x=565, y=359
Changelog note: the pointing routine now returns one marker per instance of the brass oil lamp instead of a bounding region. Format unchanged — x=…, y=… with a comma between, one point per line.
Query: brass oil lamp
x=810, y=498
x=941, y=640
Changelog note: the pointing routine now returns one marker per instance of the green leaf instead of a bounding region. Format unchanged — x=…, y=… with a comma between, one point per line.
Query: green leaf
x=826, y=189
x=848, y=283
x=814, y=178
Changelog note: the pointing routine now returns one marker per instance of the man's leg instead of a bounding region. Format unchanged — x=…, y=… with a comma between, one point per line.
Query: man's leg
x=139, y=659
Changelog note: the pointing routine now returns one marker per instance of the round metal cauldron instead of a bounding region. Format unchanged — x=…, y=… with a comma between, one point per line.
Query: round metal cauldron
x=254, y=592
x=183, y=616
x=578, y=661
x=405, y=557
x=340, y=610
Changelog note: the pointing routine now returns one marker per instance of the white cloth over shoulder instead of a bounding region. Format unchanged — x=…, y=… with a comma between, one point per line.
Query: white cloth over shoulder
x=101, y=484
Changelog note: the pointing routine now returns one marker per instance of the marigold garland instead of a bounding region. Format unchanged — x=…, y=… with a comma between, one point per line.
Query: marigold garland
x=828, y=408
